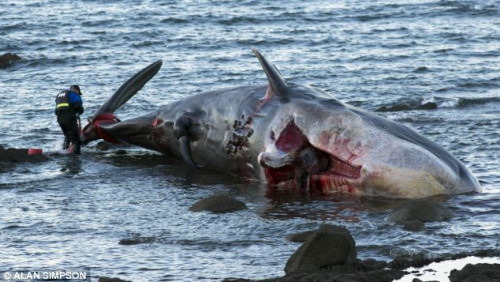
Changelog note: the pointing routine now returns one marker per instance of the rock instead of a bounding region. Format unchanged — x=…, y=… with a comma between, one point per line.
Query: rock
x=481, y=272
x=367, y=270
x=136, y=240
x=413, y=225
x=380, y=271
x=421, y=69
x=7, y=59
x=330, y=245
x=218, y=204
x=413, y=213
x=300, y=237
x=10, y=157
x=373, y=264
x=418, y=260
x=428, y=106
x=13, y=155
x=394, y=108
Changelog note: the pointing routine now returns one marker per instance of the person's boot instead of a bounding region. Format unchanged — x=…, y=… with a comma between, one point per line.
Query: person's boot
x=76, y=147
x=66, y=143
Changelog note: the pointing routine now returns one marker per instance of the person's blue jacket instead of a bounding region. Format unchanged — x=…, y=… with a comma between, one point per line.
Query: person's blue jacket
x=69, y=100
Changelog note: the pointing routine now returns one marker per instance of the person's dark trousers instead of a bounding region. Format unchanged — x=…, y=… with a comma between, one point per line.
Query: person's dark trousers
x=67, y=121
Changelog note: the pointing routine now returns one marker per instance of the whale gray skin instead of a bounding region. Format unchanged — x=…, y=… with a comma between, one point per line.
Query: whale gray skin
x=294, y=137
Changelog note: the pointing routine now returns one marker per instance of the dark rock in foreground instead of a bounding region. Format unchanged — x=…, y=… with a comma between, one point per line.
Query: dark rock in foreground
x=413, y=213
x=371, y=270
x=7, y=59
x=11, y=156
x=218, y=204
x=328, y=246
x=481, y=272
x=360, y=270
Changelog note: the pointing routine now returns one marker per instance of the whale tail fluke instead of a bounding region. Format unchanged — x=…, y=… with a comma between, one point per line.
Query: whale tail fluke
x=129, y=89
x=105, y=114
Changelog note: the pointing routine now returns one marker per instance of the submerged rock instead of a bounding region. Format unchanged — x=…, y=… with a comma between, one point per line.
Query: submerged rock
x=481, y=272
x=330, y=245
x=218, y=204
x=7, y=59
x=413, y=225
x=394, y=108
x=421, y=69
x=428, y=106
x=136, y=240
x=413, y=213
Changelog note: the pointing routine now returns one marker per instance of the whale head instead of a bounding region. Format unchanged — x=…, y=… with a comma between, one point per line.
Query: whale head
x=318, y=143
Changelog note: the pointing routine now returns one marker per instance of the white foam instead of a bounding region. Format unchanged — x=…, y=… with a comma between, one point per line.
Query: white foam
x=428, y=100
x=439, y=271
x=449, y=104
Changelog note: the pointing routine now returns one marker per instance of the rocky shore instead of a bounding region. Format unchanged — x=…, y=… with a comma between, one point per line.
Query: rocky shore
x=328, y=253
x=12, y=156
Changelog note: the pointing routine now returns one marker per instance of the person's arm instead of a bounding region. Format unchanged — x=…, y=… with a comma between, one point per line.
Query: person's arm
x=76, y=101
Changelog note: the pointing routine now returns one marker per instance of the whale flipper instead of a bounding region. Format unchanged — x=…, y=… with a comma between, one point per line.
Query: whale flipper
x=181, y=131
x=186, y=152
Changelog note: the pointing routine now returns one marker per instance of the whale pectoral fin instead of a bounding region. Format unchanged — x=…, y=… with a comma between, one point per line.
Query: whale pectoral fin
x=181, y=131
x=186, y=152
x=277, y=84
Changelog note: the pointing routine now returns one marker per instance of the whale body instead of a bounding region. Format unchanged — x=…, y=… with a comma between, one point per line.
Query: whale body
x=288, y=136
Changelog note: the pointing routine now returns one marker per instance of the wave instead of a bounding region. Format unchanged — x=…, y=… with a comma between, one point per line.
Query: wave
x=241, y=20
x=469, y=9
x=173, y=20
x=432, y=103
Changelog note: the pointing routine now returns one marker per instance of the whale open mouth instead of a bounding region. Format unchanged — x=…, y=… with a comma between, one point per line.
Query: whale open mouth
x=294, y=163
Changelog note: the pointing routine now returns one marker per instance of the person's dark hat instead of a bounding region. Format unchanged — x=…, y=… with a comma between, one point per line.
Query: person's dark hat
x=74, y=86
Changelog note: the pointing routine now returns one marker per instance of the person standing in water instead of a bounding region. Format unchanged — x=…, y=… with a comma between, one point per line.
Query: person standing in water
x=69, y=107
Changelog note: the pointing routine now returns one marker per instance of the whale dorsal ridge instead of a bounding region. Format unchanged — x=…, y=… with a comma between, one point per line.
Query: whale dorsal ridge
x=277, y=84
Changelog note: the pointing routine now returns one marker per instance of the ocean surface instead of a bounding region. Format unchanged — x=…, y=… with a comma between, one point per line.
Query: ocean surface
x=433, y=65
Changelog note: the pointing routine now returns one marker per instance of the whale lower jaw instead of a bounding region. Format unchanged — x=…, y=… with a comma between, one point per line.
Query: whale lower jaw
x=292, y=162
x=334, y=180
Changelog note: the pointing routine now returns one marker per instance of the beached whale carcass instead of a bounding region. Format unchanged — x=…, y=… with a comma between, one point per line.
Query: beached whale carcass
x=288, y=136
